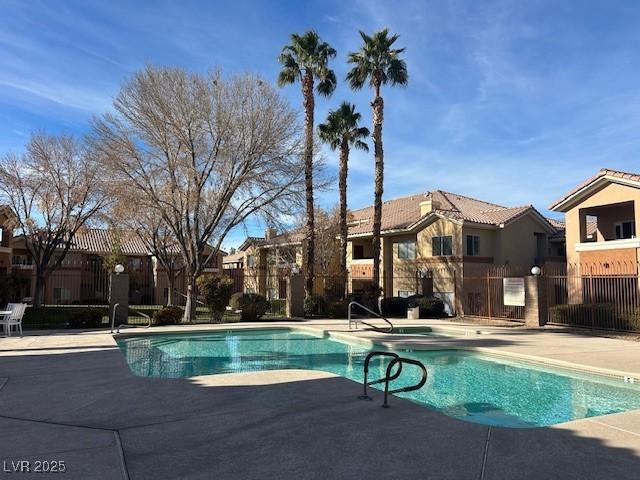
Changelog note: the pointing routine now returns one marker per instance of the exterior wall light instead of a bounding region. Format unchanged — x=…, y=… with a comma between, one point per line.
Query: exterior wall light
x=119, y=268
x=536, y=271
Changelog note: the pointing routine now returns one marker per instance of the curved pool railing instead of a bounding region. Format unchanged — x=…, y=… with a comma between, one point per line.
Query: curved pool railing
x=355, y=321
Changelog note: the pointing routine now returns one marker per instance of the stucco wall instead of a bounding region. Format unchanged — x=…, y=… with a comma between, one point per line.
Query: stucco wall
x=518, y=244
x=611, y=193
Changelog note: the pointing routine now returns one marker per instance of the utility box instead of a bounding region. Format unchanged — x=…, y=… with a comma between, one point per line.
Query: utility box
x=413, y=313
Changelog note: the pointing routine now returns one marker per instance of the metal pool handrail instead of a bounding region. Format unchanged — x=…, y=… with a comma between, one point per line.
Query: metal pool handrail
x=365, y=396
x=113, y=320
x=410, y=388
x=377, y=329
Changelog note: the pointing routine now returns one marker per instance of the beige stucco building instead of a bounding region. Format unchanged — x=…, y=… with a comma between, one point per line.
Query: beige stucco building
x=440, y=238
x=601, y=215
x=83, y=279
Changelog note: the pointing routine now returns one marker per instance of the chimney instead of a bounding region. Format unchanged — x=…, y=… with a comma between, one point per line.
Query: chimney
x=428, y=206
x=269, y=233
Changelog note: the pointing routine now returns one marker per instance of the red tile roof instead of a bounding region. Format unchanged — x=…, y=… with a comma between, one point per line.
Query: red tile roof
x=102, y=241
x=402, y=213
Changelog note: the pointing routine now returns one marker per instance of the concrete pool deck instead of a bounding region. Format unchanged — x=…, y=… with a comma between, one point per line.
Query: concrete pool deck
x=70, y=396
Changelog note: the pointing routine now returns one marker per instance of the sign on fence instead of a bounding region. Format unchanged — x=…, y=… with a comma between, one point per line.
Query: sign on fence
x=513, y=289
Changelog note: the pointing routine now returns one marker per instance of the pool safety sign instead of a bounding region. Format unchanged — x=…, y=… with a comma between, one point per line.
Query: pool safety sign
x=513, y=289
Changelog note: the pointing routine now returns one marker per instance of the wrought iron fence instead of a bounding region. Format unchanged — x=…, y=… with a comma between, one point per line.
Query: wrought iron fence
x=600, y=296
x=483, y=293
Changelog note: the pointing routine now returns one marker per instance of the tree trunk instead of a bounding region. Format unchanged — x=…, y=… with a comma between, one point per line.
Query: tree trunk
x=171, y=282
x=190, y=305
x=378, y=112
x=309, y=257
x=342, y=185
x=38, y=294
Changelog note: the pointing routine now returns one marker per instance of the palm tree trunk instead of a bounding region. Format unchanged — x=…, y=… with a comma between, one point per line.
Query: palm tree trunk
x=342, y=184
x=309, y=257
x=378, y=115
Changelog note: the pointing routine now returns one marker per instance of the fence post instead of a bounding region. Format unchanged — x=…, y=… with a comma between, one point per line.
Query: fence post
x=488, y=295
x=535, y=301
x=119, y=293
x=295, y=296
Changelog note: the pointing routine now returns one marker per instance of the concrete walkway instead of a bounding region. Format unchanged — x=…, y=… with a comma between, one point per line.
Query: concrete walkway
x=71, y=397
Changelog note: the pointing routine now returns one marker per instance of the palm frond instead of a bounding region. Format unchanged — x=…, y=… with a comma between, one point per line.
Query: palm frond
x=377, y=62
x=327, y=83
x=360, y=145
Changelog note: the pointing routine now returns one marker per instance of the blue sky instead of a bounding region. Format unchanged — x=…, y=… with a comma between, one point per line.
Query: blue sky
x=511, y=102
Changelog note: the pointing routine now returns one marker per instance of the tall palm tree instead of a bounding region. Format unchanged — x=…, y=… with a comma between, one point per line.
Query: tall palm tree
x=342, y=131
x=379, y=64
x=305, y=60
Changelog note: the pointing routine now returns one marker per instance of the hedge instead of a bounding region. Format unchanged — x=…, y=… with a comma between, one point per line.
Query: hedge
x=597, y=315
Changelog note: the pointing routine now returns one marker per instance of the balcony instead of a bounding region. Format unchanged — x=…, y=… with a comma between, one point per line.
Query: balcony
x=21, y=266
x=608, y=245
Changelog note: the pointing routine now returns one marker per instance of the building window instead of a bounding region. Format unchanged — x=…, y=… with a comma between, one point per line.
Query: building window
x=407, y=250
x=405, y=293
x=625, y=230
x=249, y=290
x=473, y=245
x=1, y=234
x=251, y=261
x=358, y=252
x=61, y=295
x=441, y=246
x=135, y=264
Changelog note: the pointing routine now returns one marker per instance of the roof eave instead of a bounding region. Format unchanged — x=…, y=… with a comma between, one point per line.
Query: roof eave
x=568, y=202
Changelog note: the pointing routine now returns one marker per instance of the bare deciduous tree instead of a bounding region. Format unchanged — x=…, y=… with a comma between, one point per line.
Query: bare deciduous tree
x=147, y=224
x=205, y=152
x=54, y=190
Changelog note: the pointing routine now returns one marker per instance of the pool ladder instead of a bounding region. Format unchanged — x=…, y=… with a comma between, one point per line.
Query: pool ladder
x=399, y=361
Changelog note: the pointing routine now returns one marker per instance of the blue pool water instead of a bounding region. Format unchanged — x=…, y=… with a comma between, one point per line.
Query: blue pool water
x=462, y=385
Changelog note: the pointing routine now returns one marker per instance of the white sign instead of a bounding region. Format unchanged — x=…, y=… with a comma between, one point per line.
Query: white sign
x=513, y=289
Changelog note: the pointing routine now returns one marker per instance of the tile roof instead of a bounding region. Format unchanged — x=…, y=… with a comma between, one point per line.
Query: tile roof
x=402, y=213
x=286, y=238
x=233, y=257
x=603, y=172
x=102, y=241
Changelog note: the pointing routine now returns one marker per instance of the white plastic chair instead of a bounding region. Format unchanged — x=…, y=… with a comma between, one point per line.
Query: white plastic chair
x=14, y=318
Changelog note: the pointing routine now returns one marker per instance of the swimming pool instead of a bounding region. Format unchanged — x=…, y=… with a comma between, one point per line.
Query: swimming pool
x=463, y=385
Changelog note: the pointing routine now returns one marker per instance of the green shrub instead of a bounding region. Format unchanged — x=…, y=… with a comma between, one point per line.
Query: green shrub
x=236, y=300
x=278, y=306
x=253, y=306
x=430, y=307
x=46, y=317
x=596, y=315
x=85, y=317
x=397, y=306
x=338, y=309
x=216, y=294
x=314, y=305
x=168, y=316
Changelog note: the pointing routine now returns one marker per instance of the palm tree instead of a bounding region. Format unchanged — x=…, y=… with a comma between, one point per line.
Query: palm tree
x=306, y=59
x=379, y=64
x=342, y=131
